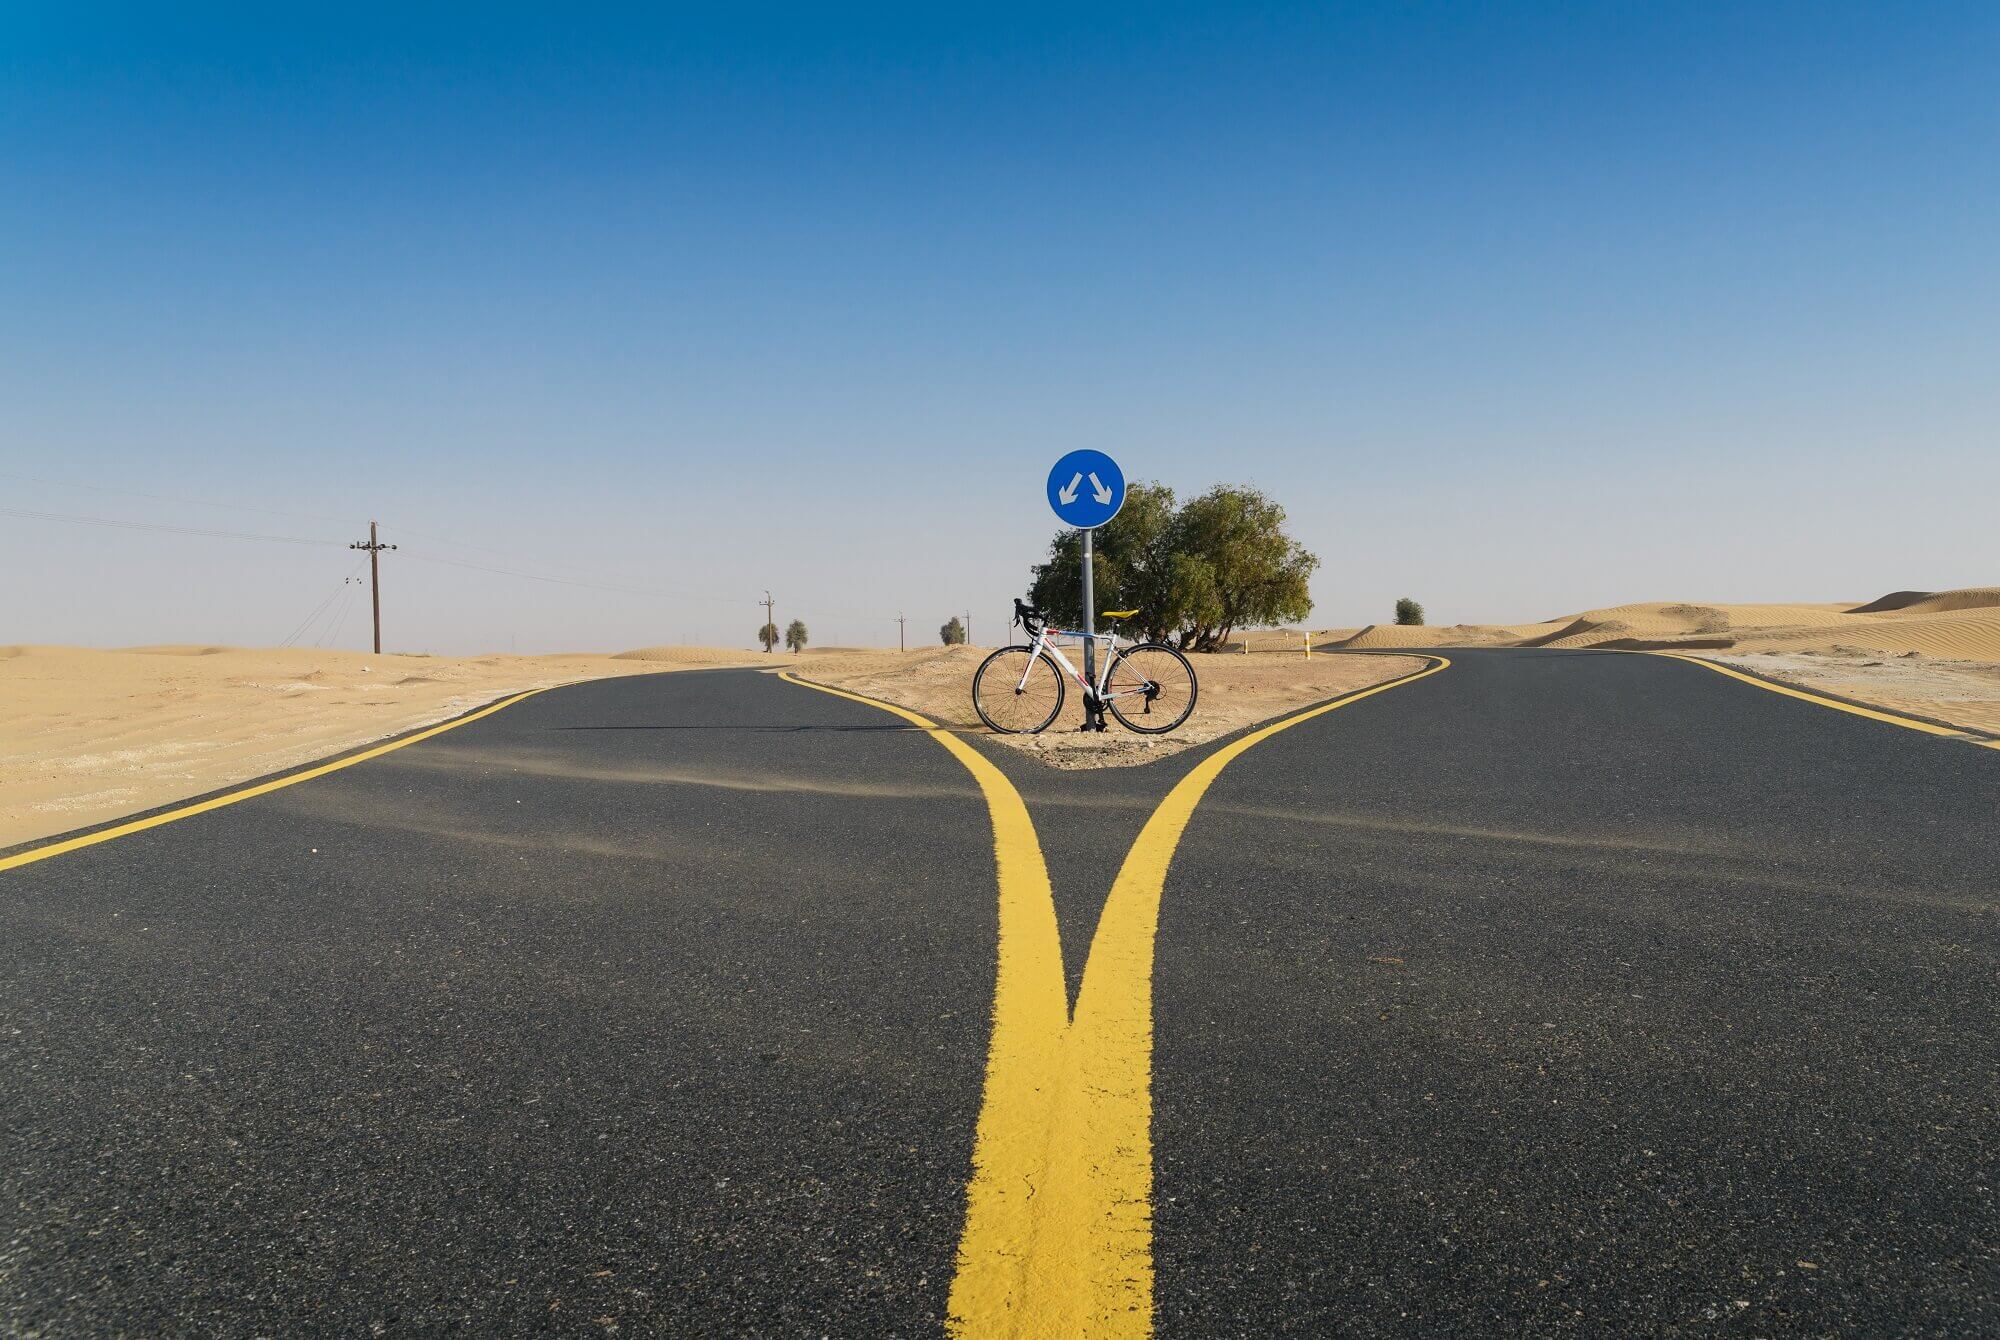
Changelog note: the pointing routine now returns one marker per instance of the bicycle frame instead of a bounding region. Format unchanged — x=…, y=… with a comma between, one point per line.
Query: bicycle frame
x=1093, y=693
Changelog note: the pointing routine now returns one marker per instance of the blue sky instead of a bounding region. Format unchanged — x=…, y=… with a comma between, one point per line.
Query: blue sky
x=1517, y=308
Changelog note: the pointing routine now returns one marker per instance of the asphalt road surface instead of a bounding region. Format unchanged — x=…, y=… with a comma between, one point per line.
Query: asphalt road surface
x=1554, y=992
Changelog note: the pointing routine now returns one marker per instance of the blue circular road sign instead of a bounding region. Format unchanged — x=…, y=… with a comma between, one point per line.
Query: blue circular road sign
x=1086, y=489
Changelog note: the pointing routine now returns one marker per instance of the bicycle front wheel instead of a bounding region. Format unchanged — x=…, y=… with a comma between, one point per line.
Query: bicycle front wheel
x=1150, y=688
x=1017, y=692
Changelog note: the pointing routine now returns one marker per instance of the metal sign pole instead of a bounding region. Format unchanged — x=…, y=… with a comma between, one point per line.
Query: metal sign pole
x=1087, y=508
x=1093, y=715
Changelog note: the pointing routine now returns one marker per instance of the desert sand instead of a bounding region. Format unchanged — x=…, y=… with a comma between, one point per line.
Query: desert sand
x=1934, y=654
x=88, y=736
x=1235, y=691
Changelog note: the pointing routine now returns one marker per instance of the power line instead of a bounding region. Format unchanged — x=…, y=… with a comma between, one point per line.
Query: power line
x=162, y=497
x=330, y=635
x=345, y=582
x=245, y=507
x=313, y=616
x=163, y=528
x=307, y=622
x=434, y=538
x=157, y=526
x=568, y=581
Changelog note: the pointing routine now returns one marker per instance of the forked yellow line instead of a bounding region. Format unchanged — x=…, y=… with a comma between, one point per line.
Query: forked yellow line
x=255, y=789
x=1058, y=1237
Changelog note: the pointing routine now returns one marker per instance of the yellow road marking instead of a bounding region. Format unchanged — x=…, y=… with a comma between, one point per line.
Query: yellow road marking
x=1058, y=1237
x=254, y=790
x=1908, y=723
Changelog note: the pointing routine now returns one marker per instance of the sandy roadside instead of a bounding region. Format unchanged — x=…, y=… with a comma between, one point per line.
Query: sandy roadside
x=1236, y=691
x=88, y=736
x=1964, y=693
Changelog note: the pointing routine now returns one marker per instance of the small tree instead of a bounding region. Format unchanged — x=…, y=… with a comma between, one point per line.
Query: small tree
x=1195, y=572
x=1256, y=574
x=953, y=633
x=795, y=636
x=1409, y=612
x=767, y=636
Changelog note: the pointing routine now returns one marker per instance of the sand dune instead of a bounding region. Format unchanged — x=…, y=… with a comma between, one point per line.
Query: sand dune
x=1895, y=600
x=1969, y=598
x=1399, y=635
x=1970, y=634
x=691, y=657
x=1964, y=623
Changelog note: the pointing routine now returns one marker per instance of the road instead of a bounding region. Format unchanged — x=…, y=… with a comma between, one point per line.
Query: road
x=1550, y=992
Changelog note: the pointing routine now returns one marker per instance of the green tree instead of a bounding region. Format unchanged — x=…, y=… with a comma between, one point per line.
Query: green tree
x=1257, y=574
x=1409, y=612
x=1219, y=562
x=953, y=633
x=1129, y=564
x=767, y=636
x=795, y=636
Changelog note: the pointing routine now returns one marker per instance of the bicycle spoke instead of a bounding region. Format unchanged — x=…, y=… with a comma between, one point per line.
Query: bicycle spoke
x=1015, y=694
x=1151, y=688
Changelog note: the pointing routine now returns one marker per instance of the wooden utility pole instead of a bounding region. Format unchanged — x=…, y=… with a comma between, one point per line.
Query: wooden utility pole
x=374, y=548
x=770, y=623
x=900, y=644
x=968, y=628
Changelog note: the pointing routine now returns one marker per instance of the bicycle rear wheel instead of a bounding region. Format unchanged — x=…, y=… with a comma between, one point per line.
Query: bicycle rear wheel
x=1015, y=696
x=1150, y=688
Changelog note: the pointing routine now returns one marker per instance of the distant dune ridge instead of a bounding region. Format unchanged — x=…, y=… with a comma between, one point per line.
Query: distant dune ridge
x=1962, y=625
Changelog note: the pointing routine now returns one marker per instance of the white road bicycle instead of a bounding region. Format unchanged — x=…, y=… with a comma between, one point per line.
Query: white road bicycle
x=1019, y=690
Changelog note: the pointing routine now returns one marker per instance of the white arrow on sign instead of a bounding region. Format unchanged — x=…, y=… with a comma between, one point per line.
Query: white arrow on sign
x=1097, y=489
x=1068, y=495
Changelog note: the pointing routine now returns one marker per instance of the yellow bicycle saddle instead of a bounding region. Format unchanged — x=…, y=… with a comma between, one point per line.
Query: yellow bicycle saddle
x=1119, y=614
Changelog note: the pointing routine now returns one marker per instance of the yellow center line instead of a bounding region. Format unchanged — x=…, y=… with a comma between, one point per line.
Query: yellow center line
x=1058, y=1237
